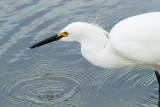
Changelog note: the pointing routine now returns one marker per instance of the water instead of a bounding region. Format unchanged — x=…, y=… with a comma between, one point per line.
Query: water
x=56, y=75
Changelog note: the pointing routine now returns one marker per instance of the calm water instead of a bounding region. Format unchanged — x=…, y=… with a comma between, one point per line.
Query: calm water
x=56, y=75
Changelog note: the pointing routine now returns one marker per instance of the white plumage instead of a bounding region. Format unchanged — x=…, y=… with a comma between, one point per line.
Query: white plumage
x=134, y=41
x=138, y=38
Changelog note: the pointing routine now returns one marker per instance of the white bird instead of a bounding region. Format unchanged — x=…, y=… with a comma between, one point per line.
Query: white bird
x=134, y=41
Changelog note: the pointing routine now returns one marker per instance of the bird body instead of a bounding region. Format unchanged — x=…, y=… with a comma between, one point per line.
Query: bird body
x=138, y=38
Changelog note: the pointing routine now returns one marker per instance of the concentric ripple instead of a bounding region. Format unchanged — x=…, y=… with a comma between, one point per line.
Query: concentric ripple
x=45, y=89
x=129, y=87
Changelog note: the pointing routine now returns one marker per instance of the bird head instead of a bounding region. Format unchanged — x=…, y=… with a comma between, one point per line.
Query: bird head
x=77, y=31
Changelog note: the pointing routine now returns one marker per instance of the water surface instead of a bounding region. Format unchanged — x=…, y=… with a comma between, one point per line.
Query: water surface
x=56, y=74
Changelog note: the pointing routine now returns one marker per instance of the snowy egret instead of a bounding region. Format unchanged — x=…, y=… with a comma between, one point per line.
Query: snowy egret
x=134, y=41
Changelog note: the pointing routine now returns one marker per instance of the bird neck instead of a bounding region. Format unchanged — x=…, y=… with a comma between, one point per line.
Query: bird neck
x=91, y=53
x=99, y=53
x=92, y=47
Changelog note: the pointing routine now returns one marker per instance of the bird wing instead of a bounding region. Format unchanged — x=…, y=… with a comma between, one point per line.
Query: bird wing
x=138, y=38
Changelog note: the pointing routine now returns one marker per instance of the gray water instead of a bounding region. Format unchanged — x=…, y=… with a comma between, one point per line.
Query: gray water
x=56, y=75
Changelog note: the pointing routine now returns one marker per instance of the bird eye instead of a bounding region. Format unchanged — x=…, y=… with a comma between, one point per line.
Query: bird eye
x=66, y=33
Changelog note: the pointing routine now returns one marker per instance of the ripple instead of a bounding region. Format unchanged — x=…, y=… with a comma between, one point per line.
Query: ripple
x=129, y=86
x=45, y=88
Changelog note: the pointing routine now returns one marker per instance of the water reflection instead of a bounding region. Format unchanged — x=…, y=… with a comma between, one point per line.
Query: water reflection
x=56, y=74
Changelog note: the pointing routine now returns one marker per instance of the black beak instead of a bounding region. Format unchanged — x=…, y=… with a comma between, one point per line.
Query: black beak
x=48, y=40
